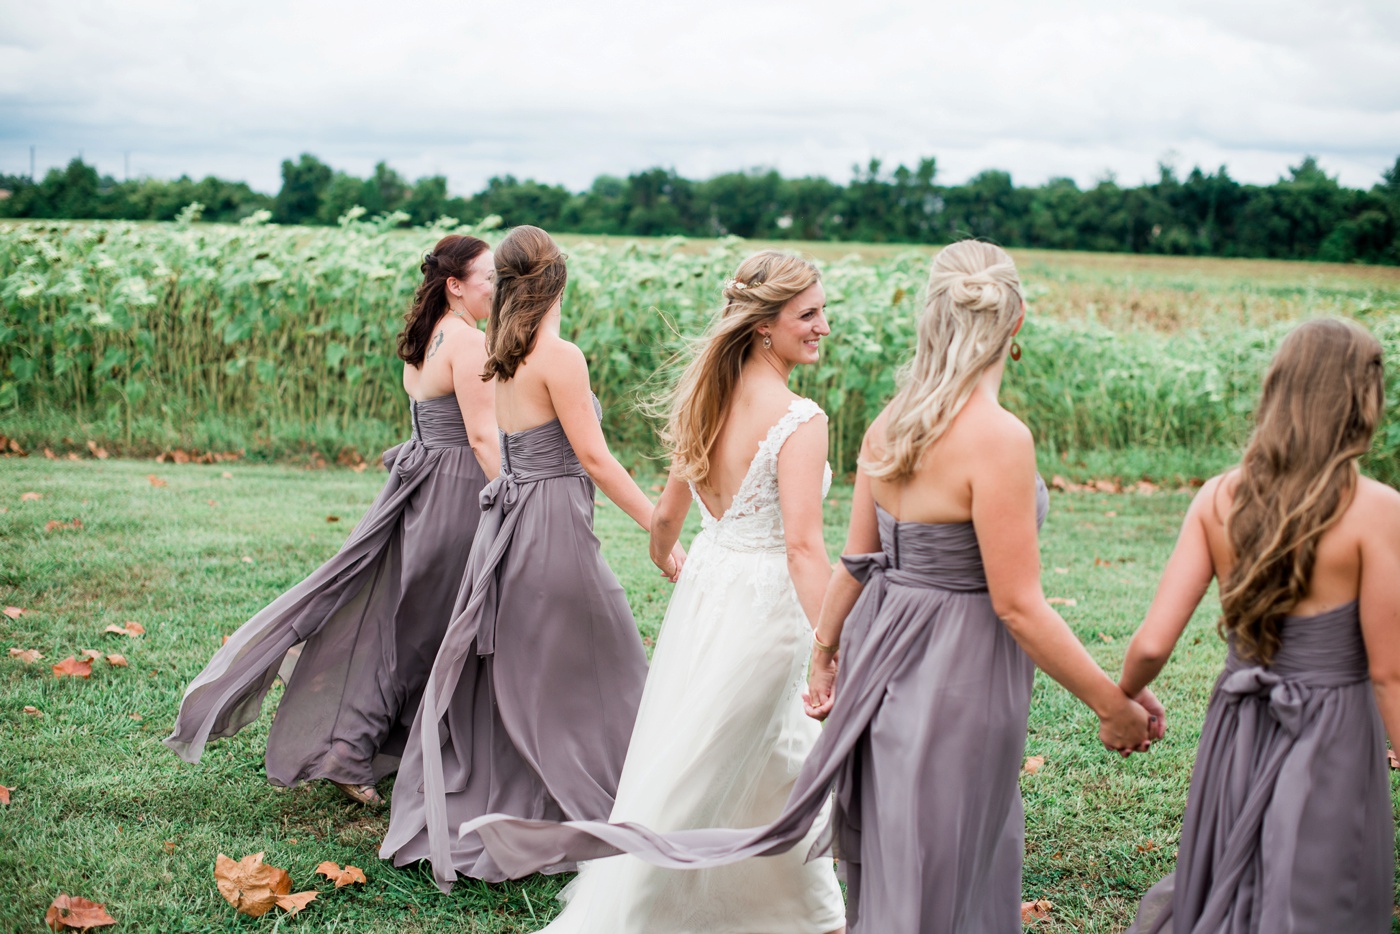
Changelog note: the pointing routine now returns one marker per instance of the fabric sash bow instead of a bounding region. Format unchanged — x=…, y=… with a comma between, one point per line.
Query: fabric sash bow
x=1285, y=699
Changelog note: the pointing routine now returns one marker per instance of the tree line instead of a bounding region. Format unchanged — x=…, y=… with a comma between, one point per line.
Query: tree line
x=1306, y=214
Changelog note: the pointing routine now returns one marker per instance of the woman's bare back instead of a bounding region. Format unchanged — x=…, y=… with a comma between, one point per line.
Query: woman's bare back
x=756, y=407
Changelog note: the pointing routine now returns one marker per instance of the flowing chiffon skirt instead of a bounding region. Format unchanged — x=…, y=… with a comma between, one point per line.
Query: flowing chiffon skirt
x=534, y=693
x=369, y=622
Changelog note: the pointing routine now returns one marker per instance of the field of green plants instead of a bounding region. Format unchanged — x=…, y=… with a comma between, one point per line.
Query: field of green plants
x=279, y=341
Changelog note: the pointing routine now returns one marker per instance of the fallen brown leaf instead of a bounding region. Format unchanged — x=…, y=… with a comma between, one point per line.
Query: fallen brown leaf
x=1106, y=486
x=50, y=454
x=226, y=475
x=1061, y=570
x=89, y=655
x=1391, y=758
x=128, y=628
x=1062, y=601
x=1111, y=514
x=1105, y=637
x=79, y=914
x=332, y=518
x=70, y=667
x=5, y=794
x=135, y=716
x=33, y=711
x=169, y=846
x=118, y=661
x=250, y=885
x=347, y=876
x=1033, y=764
x=1038, y=910
x=225, y=641
x=246, y=560
x=55, y=524
x=1147, y=847
x=30, y=497
x=97, y=452
x=155, y=481
x=14, y=612
x=291, y=904
x=28, y=656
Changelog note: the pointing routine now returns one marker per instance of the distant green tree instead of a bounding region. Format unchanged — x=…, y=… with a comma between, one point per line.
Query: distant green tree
x=304, y=182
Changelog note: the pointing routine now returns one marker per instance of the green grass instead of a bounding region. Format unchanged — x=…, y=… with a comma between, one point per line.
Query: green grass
x=102, y=810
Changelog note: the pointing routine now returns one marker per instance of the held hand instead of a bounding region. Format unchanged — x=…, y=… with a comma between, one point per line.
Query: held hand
x=1126, y=729
x=671, y=569
x=821, y=684
x=1155, y=711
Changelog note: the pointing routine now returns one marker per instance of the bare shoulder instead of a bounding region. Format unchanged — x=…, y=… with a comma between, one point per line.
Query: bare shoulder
x=992, y=431
x=1211, y=504
x=556, y=351
x=1375, y=504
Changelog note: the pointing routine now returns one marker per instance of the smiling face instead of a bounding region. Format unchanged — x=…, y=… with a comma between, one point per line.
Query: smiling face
x=473, y=295
x=797, y=331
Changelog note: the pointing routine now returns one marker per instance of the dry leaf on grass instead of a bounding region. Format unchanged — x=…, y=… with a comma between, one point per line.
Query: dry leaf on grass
x=28, y=656
x=77, y=914
x=14, y=612
x=97, y=452
x=155, y=481
x=54, y=525
x=1033, y=764
x=332, y=518
x=291, y=904
x=1062, y=601
x=347, y=876
x=226, y=475
x=117, y=661
x=30, y=497
x=1105, y=637
x=1038, y=910
x=33, y=711
x=70, y=667
x=5, y=794
x=1147, y=847
x=89, y=655
x=250, y=885
x=1390, y=757
x=127, y=629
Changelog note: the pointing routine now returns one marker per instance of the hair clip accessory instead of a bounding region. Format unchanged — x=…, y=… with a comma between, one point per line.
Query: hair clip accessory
x=736, y=284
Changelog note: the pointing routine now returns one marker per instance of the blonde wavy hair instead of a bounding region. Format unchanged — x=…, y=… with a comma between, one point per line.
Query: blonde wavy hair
x=1323, y=397
x=971, y=309
x=699, y=403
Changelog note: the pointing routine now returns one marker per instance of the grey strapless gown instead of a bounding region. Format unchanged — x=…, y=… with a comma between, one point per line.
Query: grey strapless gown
x=371, y=619
x=534, y=693
x=924, y=745
x=1288, y=826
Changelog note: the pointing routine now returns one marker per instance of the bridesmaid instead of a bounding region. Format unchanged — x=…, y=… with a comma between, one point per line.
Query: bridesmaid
x=370, y=619
x=1288, y=823
x=533, y=695
x=927, y=723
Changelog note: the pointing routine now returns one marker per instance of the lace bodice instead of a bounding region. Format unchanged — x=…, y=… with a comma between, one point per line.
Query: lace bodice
x=754, y=522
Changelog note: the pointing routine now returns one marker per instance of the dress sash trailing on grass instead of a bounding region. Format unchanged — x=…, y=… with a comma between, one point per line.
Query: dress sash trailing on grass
x=533, y=695
x=1288, y=826
x=369, y=622
x=924, y=746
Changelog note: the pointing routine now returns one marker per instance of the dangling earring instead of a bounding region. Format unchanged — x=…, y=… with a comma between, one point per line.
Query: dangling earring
x=1015, y=351
x=767, y=342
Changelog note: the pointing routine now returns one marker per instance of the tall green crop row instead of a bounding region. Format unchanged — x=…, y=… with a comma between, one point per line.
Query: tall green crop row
x=279, y=339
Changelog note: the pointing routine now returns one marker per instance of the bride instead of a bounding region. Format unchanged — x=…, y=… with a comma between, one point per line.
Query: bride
x=721, y=734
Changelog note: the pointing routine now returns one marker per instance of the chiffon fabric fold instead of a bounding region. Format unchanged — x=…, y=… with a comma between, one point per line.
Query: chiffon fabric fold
x=368, y=622
x=924, y=746
x=533, y=694
x=1288, y=826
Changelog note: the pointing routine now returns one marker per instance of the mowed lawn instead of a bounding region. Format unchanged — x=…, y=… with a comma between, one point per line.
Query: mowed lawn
x=102, y=810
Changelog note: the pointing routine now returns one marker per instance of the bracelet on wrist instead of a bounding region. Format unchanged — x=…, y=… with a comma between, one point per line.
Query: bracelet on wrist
x=829, y=649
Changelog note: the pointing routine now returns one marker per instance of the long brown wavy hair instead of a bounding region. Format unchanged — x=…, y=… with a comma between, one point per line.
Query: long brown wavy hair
x=530, y=275
x=698, y=405
x=451, y=258
x=1323, y=396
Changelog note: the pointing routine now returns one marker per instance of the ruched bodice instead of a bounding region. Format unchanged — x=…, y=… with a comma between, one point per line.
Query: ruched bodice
x=1322, y=650
x=940, y=554
x=541, y=453
x=437, y=422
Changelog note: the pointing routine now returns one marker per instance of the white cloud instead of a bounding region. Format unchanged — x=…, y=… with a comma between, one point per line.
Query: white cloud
x=563, y=91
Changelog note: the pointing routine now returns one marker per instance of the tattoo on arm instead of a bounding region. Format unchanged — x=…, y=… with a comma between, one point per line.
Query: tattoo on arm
x=436, y=344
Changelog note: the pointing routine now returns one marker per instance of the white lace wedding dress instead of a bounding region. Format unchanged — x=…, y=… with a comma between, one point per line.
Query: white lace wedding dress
x=720, y=736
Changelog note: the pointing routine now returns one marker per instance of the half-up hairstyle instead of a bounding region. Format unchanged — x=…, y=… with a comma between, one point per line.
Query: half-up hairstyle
x=697, y=406
x=530, y=276
x=973, y=303
x=450, y=259
x=1323, y=396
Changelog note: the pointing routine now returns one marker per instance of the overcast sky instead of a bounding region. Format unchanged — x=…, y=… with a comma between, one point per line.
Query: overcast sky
x=565, y=90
